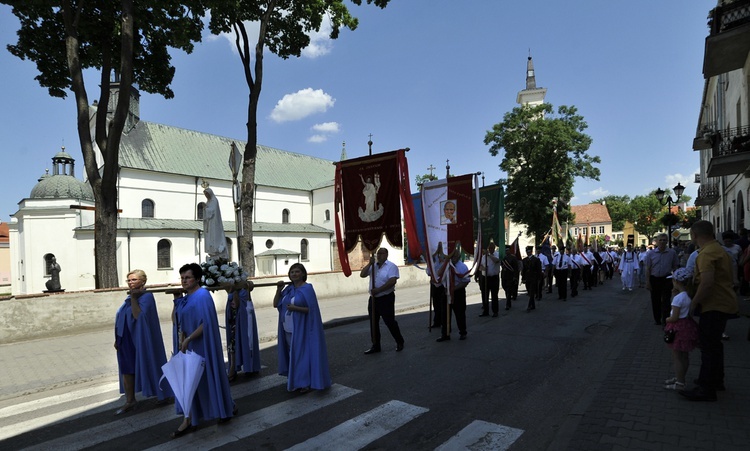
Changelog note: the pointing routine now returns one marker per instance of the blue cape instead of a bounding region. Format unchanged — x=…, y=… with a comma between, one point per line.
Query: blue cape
x=213, y=399
x=306, y=363
x=148, y=343
x=246, y=352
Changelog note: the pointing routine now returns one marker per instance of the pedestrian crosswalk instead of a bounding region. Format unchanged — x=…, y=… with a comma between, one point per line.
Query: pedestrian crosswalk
x=23, y=426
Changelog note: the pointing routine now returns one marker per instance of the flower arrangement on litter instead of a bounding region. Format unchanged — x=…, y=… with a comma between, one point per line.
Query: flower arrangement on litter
x=220, y=272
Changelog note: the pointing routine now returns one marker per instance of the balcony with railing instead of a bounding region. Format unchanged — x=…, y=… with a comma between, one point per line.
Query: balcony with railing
x=708, y=194
x=730, y=152
x=728, y=42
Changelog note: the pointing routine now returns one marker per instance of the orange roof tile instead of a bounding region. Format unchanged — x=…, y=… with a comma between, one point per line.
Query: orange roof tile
x=590, y=214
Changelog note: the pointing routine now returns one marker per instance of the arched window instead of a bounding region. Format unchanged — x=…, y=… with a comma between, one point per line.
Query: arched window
x=229, y=248
x=285, y=216
x=48, y=263
x=740, y=212
x=201, y=208
x=147, y=208
x=269, y=244
x=163, y=254
x=728, y=221
x=328, y=215
x=303, y=250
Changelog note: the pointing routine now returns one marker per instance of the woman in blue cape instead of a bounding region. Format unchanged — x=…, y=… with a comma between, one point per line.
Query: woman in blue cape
x=196, y=328
x=303, y=356
x=139, y=344
x=243, y=347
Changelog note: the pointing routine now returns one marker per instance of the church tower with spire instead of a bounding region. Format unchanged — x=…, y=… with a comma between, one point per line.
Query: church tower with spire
x=532, y=95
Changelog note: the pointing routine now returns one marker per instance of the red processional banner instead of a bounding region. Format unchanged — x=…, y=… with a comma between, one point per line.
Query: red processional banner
x=370, y=193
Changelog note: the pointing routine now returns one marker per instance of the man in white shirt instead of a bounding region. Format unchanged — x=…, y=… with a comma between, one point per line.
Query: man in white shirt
x=586, y=269
x=489, y=265
x=382, y=302
x=546, y=273
x=561, y=265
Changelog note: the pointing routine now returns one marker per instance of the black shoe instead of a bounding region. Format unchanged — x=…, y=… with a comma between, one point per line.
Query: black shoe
x=443, y=338
x=720, y=387
x=507, y=307
x=399, y=347
x=699, y=394
x=462, y=337
x=179, y=433
x=530, y=309
x=484, y=314
x=494, y=315
x=373, y=350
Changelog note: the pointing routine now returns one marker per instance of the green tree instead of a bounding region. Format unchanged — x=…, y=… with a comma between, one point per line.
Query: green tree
x=647, y=215
x=126, y=38
x=618, y=208
x=420, y=179
x=284, y=28
x=544, y=153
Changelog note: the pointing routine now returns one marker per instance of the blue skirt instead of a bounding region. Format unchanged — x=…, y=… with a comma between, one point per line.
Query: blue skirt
x=125, y=352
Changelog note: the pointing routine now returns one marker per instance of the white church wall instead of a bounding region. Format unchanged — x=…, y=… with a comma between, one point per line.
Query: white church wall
x=322, y=200
x=271, y=201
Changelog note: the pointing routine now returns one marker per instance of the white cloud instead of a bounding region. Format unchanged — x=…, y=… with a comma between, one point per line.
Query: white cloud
x=671, y=180
x=301, y=104
x=253, y=29
x=317, y=139
x=597, y=193
x=320, y=42
x=326, y=127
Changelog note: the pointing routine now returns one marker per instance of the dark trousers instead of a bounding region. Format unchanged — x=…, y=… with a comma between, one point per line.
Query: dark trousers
x=510, y=287
x=561, y=279
x=531, y=287
x=490, y=285
x=438, y=305
x=575, y=277
x=458, y=306
x=586, y=275
x=385, y=307
x=710, y=328
x=548, y=275
x=661, y=294
x=594, y=278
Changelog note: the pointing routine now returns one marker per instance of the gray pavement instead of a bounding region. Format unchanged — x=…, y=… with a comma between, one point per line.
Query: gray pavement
x=625, y=409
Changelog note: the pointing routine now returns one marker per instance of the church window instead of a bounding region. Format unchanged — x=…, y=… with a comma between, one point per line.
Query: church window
x=163, y=254
x=147, y=208
x=229, y=248
x=285, y=216
x=269, y=244
x=201, y=208
x=48, y=263
x=328, y=215
x=303, y=250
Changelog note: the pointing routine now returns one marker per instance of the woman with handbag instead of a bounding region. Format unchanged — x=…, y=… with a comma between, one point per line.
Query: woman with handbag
x=681, y=331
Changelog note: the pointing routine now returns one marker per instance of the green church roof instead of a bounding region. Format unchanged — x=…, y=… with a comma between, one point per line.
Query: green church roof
x=163, y=148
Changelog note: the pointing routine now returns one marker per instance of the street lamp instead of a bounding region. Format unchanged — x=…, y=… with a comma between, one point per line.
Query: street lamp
x=678, y=190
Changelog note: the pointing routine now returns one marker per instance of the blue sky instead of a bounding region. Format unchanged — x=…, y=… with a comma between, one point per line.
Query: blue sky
x=431, y=75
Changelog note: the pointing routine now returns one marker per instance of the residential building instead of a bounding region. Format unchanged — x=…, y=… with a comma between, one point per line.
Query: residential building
x=590, y=221
x=723, y=132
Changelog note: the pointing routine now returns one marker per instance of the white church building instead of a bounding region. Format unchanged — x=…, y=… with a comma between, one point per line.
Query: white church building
x=160, y=194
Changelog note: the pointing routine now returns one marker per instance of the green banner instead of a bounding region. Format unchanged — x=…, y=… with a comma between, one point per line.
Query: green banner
x=491, y=216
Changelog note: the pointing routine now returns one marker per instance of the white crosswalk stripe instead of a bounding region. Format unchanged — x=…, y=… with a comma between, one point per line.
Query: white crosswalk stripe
x=255, y=422
x=108, y=431
x=352, y=434
x=364, y=429
x=480, y=436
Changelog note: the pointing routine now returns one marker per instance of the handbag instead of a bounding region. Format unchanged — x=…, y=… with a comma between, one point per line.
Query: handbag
x=669, y=336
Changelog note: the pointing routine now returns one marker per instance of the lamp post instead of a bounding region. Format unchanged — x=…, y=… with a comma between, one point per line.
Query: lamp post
x=678, y=190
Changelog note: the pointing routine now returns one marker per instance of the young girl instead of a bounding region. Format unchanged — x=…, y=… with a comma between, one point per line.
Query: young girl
x=680, y=321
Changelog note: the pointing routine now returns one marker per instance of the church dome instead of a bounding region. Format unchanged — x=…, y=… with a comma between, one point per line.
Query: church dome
x=62, y=184
x=62, y=187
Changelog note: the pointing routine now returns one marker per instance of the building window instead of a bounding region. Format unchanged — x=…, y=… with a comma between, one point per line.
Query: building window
x=285, y=216
x=328, y=215
x=269, y=244
x=303, y=250
x=740, y=212
x=147, y=208
x=48, y=264
x=163, y=254
x=593, y=230
x=576, y=231
x=229, y=248
x=201, y=209
x=601, y=230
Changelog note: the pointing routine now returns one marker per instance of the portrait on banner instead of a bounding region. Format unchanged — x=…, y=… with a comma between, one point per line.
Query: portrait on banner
x=448, y=207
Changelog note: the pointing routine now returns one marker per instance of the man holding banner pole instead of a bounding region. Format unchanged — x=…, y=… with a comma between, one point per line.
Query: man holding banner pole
x=382, y=303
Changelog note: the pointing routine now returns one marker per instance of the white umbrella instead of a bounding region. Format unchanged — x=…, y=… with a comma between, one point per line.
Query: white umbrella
x=183, y=372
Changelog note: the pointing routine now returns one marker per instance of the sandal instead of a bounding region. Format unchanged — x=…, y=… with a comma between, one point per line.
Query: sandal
x=232, y=377
x=179, y=433
x=675, y=386
x=670, y=381
x=126, y=408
